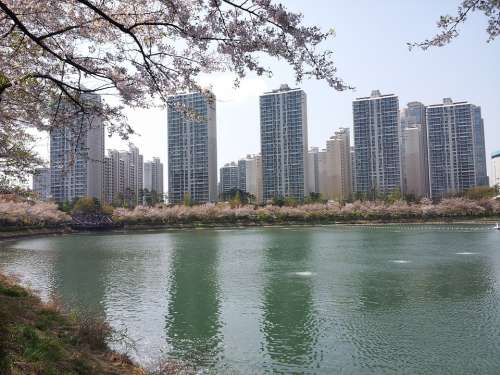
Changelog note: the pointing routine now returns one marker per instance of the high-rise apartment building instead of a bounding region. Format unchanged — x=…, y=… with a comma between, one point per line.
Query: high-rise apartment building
x=413, y=162
x=242, y=174
x=454, y=147
x=41, y=183
x=353, y=170
x=123, y=177
x=153, y=178
x=377, y=144
x=229, y=178
x=338, y=164
x=495, y=168
x=414, y=116
x=253, y=176
x=192, y=148
x=479, y=149
x=283, y=133
x=77, y=157
x=312, y=178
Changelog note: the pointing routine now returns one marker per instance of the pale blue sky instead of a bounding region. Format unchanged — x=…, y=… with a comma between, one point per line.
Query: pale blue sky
x=371, y=53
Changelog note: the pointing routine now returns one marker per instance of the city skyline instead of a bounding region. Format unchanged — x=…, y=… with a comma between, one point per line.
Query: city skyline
x=414, y=76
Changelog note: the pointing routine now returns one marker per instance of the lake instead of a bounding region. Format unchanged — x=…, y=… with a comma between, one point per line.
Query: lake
x=394, y=299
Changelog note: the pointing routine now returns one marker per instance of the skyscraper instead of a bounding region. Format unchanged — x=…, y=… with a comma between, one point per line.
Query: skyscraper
x=414, y=171
x=283, y=134
x=153, y=179
x=338, y=149
x=253, y=177
x=353, y=170
x=242, y=174
x=479, y=149
x=313, y=170
x=454, y=165
x=77, y=157
x=229, y=178
x=414, y=116
x=123, y=177
x=41, y=183
x=376, y=143
x=192, y=148
x=495, y=168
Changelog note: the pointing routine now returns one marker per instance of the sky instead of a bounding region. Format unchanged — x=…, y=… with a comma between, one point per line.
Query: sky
x=371, y=53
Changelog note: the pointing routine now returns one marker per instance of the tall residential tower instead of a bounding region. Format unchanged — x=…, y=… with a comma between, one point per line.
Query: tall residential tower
x=283, y=135
x=77, y=157
x=377, y=144
x=192, y=148
x=455, y=138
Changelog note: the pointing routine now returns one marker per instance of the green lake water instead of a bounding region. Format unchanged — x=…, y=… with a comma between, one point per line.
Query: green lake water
x=398, y=299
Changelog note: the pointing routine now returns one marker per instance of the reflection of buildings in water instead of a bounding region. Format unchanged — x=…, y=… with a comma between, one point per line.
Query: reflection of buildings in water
x=193, y=323
x=80, y=271
x=289, y=321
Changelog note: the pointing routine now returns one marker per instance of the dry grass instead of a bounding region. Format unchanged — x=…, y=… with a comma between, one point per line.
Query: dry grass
x=37, y=338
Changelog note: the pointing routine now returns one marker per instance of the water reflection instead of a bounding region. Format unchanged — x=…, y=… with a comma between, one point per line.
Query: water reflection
x=80, y=270
x=289, y=323
x=405, y=284
x=193, y=321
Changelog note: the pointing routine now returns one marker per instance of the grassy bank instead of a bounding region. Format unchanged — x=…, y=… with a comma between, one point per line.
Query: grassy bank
x=37, y=338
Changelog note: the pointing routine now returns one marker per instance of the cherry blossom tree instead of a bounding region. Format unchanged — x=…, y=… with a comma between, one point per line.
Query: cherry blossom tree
x=55, y=53
x=449, y=25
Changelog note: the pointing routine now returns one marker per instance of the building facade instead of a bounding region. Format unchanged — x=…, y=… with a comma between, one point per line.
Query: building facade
x=253, y=176
x=414, y=116
x=283, y=134
x=413, y=162
x=77, y=158
x=353, y=170
x=312, y=178
x=153, y=179
x=479, y=149
x=377, y=144
x=41, y=183
x=338, y=165
x=123, y=177
x=495, y=168
x=453, y=148
x=229, y=178
x=192, y=148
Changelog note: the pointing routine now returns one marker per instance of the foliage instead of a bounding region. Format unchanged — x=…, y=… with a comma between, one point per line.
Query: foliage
x=480, y=192
x=86, y=205
x=236, y=201
x=188, y=202
x=449, y=24
x=314, y=198
x=278, y=201
x=37, y=338
x=317, y=212
x=152, y=197
x=22, y=212
x=53, y=57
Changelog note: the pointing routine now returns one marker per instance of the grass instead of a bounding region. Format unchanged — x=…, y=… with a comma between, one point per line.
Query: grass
x=38, y=339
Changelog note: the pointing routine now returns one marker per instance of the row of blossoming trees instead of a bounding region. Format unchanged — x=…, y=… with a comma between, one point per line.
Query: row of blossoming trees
x=329, y=212
x=19, y=212
x=22, y=212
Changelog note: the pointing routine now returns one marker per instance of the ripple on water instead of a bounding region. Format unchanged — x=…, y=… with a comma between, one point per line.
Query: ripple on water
x=466, y=253
x=400, y=261
x=303, y=274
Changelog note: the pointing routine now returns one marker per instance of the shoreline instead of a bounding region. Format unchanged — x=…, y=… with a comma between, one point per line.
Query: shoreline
x=19, y=233
x=37, y=337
